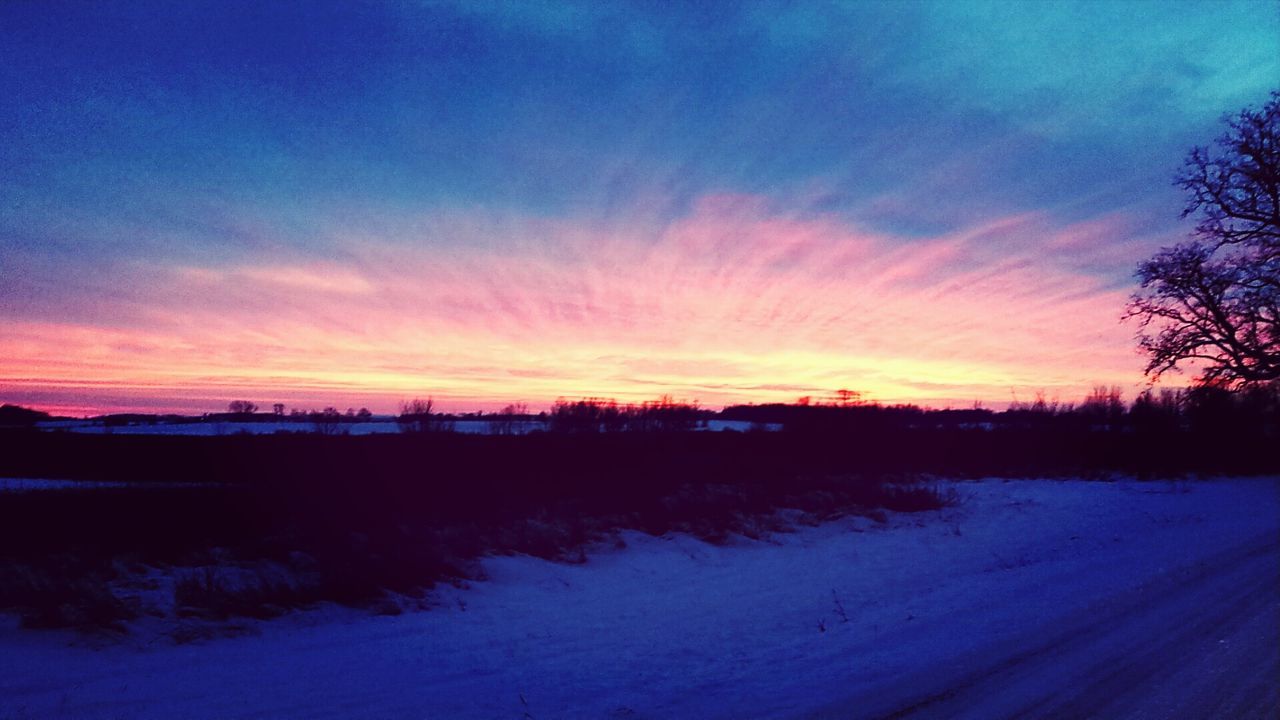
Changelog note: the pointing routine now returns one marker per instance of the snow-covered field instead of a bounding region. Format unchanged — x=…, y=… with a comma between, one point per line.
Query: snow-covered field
x=373, y=427
x=18, y=485
x=1035, y=598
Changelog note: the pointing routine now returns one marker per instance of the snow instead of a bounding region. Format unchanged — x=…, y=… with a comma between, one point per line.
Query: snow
x=94, y=427
x=18, y=485
x=673, y=627
x=468, y=427
x=23, y=485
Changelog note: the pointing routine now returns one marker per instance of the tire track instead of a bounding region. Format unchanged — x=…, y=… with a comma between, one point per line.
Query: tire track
x=1119, y=657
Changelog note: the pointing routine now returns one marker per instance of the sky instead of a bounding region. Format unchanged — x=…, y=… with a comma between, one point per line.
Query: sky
x=357, y=203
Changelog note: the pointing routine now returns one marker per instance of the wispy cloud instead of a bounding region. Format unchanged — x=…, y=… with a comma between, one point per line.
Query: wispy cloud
x=731, y=298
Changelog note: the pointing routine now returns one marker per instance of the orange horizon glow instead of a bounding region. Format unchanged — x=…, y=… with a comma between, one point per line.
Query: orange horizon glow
x=735, y=302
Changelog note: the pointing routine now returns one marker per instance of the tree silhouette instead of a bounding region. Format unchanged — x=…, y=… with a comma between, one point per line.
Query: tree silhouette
x=327, y=421
x=509, y=419
x=416, y=416
x=1215, y=299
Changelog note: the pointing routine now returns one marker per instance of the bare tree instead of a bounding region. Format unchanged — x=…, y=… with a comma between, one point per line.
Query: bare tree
x=416, y=416
x=327, y=421
x=1104, y=407
x=509, y=420
x=242, y=407
x=1215, y=300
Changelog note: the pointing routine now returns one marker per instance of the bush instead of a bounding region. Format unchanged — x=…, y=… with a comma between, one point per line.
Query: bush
x=218, y=592
x=61, y=595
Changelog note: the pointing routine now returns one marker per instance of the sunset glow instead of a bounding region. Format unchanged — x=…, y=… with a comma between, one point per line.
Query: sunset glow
x=488, y=207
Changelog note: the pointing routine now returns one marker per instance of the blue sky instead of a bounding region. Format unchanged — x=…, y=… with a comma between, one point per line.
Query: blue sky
x=141, y=141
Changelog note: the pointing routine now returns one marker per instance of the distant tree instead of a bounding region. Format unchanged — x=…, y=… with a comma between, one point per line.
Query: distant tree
x=327, y=421
x=594, y=415
x=662, y=415
x=416, y=416
x=363, y=415
x=588, y=415
x=242, y=407
x=1157, y=413
x=1231, y=416
x=278, y=409
x=1215, y=299
x=506, y=419
x=1104, y=407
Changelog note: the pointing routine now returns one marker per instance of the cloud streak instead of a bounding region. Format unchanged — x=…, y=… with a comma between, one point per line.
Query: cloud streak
x=721, y=304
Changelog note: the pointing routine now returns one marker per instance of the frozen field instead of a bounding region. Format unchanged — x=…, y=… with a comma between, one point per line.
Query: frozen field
x=1028, y=598
x=373, y=427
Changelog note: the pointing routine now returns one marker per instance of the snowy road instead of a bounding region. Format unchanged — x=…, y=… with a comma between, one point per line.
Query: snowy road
x=1049, y=599
x=1202, y=641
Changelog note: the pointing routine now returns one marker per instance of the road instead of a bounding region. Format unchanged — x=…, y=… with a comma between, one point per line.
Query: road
x=1200, y=641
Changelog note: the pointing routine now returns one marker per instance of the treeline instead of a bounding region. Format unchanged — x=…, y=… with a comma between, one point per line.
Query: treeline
x=1200, y=410
x=1218, y=433
x=606, y=415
